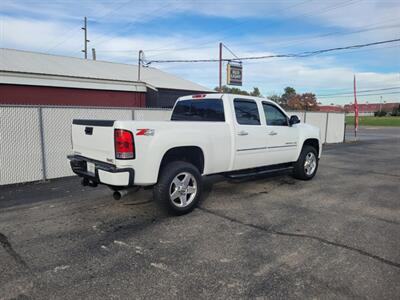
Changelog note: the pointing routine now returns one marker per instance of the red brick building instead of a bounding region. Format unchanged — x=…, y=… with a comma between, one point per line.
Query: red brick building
x=330, y=108
x=362, y=107
x=371, y=107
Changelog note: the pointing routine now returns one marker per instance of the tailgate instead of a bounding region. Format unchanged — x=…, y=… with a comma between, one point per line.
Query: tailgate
x=94, y=139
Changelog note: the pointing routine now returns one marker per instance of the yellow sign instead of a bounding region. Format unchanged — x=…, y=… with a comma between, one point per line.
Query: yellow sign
x=234, y=74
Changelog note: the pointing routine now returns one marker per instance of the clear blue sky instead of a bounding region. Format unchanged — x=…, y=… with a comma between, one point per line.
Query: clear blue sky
x=192, y=29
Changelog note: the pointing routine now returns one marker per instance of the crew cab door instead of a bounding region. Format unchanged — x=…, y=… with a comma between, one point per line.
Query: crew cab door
x=281, y=139
x=250, y=147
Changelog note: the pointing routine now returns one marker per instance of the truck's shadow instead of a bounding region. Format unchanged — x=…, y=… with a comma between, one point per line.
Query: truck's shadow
x=146, y=212
x=143, y=197
x=209, y=181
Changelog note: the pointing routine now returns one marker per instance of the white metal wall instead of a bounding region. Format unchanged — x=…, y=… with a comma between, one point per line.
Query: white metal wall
x=57, y=131
x=20, y=145
x=336, y=128
x=34, y=141
x=152, y=115
x=331, y=125
x=361, y=114
x=300, y=114
x=318, y=120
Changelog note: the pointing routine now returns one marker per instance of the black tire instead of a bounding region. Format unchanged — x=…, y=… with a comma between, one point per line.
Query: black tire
x=299, y=170
x=165, y=185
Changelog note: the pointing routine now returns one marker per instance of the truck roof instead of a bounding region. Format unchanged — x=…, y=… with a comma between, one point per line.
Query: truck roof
x=220, y=95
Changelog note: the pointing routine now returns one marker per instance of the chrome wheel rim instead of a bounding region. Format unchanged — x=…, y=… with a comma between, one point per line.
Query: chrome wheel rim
x=310, y=163
x=183, y=189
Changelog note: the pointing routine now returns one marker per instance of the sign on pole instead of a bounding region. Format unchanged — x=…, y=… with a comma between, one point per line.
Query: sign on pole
x=234, y=73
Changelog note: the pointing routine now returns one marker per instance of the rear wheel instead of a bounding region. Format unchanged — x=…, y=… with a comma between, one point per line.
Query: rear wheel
x=306, y=166
x=179, y=187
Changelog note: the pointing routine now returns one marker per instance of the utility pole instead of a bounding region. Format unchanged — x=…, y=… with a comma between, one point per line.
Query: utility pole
x=93, y=53
x=380, y=105
x=139, y=63
x=220, y=67
x=355, y=110
x=86, y=41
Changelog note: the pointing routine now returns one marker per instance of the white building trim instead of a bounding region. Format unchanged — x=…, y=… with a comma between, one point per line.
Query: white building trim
x=21, y=78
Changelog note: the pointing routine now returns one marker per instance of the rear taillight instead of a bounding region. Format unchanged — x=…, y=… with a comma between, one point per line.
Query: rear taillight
x=124, y=146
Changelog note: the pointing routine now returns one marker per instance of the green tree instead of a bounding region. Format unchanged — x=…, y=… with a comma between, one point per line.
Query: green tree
x=238, y=91
x=306, y=101
x=289, y=93
x=256, y=92
x=309, y=101
x=288, y=100
x=276, y=98
x=396, y=111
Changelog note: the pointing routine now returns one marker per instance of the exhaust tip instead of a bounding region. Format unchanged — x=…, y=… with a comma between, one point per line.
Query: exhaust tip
x=117, y=195
x=92, y=184
x=87, y=182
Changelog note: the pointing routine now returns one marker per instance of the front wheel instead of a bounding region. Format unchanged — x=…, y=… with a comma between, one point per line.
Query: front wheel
x=179, y=187
x=306, y=166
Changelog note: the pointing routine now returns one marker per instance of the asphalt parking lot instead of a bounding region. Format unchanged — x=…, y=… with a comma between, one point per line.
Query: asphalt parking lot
x=337, y=236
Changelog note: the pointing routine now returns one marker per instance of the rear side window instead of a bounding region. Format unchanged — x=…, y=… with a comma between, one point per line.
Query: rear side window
x=246, y=112
x=207, y=110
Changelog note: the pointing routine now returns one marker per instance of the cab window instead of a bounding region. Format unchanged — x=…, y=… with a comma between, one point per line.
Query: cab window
x=274, y=116
x=207, y=110
x=246, y=112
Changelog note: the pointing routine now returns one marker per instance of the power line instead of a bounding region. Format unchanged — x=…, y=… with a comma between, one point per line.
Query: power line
x=230, y=51
x=321, y=11
x=113, y=10
x=314, y=37
x=313, y=13
x=301, y=54
x=300, y=40
x=359, y=92
x=312, y=53
x=129, y=24
x=366, y=49
x=164, y=50
x=328, y=8
x=310, y=13
x=69, y=33
x=209, y=42
x=363, y=95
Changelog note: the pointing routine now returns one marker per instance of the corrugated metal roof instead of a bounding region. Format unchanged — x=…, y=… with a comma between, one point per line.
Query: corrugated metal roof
x=38, y=63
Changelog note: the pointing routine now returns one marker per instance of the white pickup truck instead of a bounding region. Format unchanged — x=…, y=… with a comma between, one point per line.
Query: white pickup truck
x=226, y=134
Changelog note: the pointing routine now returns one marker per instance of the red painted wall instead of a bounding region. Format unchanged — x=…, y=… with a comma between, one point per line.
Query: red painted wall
x=372, y=107
x=35, y=95
x=330, y=108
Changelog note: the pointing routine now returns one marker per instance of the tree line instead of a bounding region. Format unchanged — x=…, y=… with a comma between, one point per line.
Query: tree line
x=289, y=99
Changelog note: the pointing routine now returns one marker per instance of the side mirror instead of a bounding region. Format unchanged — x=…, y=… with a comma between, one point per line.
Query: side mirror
x=294, y=120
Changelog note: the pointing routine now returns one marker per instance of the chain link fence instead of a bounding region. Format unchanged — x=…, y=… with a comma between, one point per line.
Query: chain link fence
x=35, y=140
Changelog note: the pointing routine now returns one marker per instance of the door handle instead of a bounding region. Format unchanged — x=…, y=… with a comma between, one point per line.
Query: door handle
x=243, y=132
x=89, y=130
x=272, y=133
